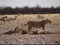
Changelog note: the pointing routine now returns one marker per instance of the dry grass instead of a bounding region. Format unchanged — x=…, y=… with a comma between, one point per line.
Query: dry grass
x=18, y=38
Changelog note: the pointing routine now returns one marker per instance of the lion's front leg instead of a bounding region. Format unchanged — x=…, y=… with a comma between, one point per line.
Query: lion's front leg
x=43, y=27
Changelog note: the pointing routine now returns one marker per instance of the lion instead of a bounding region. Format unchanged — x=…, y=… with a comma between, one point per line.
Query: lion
x=37, y=24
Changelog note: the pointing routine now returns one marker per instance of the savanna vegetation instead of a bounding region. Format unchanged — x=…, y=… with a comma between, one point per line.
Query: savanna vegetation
x=29, y=10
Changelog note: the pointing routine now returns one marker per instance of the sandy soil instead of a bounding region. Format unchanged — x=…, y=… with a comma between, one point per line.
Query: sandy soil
x=30, y=39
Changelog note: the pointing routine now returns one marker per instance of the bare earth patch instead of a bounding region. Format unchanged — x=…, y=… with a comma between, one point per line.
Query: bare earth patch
x=30, y=39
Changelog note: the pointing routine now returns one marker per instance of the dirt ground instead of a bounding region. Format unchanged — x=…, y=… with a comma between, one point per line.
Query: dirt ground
x=30, y=39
